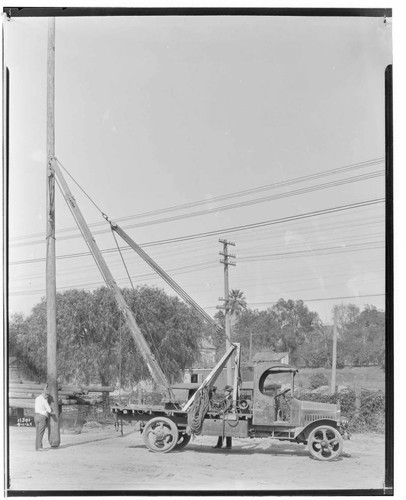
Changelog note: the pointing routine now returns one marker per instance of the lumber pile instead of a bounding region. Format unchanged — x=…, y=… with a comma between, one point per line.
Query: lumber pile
x=22, y=394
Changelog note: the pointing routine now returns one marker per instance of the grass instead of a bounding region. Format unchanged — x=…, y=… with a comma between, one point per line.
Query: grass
x=366, y=377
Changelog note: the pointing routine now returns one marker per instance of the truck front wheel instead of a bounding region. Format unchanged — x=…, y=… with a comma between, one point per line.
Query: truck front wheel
x=325, y=443
x=160, y=435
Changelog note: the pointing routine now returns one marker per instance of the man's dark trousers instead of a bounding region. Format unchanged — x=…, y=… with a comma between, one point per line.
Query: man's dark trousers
x=40, y=426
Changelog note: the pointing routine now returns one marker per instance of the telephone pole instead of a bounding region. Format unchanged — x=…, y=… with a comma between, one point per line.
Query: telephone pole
x=226, y=299
x=54, y=433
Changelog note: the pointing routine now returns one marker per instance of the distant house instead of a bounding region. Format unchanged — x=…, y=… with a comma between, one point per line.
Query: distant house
x=207, y=354
x=206, y=362
x=281, y=357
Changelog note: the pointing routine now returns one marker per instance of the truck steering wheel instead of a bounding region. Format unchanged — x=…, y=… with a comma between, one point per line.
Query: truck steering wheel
x=282, y=393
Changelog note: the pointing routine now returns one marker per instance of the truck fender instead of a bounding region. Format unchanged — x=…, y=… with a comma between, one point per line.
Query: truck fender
x=304, y=432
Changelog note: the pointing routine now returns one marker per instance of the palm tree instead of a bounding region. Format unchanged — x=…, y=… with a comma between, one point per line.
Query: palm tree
x=236, y=304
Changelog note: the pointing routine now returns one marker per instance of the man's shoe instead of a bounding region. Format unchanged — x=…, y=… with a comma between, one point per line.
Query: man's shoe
x=227, y=447
x=217, y=446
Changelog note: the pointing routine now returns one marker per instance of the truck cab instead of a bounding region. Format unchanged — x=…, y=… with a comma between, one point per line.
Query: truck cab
x=276, y=411
x=273, y=393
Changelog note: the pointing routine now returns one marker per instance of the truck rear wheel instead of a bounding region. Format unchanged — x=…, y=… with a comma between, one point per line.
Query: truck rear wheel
x=325, y=443
x=160, y=435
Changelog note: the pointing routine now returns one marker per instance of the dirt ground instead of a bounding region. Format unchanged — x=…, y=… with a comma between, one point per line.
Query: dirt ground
x=102, y=459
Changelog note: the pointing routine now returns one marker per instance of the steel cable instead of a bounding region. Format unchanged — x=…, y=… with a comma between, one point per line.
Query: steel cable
x=197, y=411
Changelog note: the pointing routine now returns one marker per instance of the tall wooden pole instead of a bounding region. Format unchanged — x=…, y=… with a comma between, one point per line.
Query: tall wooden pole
x=54, y=429
x=334, y=358
x=227, y=318
x=227, y=263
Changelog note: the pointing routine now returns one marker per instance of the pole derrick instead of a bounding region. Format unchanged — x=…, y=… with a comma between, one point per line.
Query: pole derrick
x=153, y=367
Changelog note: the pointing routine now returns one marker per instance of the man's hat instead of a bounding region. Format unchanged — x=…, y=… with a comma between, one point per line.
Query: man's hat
x=228, y=388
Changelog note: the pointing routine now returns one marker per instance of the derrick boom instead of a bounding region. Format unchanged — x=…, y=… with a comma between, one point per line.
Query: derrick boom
x=153, y=367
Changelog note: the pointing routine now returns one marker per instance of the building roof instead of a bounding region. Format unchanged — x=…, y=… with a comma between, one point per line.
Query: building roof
x=186, y=385
x=269, y=356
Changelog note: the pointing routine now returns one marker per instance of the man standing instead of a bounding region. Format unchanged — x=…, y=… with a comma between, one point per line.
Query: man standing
x=42, y=409
x=226, y=405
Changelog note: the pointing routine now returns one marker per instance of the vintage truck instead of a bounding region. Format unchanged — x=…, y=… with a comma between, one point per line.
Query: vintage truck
x=263, y=408
x=268, y=409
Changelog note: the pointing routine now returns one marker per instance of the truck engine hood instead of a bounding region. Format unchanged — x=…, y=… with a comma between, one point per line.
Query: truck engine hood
x=312, y=411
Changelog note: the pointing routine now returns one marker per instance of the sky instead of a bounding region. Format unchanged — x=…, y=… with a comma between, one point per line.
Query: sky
x=266, y=131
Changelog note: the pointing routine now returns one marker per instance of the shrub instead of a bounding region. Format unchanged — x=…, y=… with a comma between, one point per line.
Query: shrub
x=317, y=380
x=370, y=416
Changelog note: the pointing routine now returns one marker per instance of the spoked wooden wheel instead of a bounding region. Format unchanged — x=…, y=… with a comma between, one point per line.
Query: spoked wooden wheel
x=183, y=440
x=325, y=443
x=160, y=435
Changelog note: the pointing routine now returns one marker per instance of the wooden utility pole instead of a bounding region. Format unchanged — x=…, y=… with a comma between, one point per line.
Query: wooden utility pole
x=334, y=357
x=226, y=299
x=54, y=431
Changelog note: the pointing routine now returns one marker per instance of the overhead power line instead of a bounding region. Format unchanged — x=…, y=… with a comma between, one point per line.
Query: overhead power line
x=210, y=265
x=315, y=251
x=142, y=277
x=342, y=226
x=281, y=220
x=244, y=227
x=224, y=197
x=320, y=299
x=259, y=189
x=256, y=201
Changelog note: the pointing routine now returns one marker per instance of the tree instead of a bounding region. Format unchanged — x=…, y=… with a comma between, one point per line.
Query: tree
x=372, y=325
x=256, y=331
x=236, y=303
x=296, y=323
x=361, y=335
x=315, y=351
x=218, y=338
x=18, y=348
x=94, y=342
x=172, y=327
x=290, y=326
